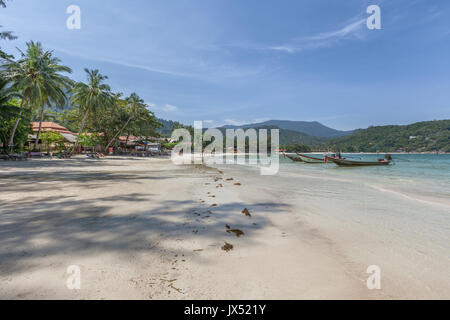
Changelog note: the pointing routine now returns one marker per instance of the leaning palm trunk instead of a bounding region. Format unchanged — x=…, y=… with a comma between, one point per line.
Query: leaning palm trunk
x=38, y=135
x=117, y=134
x=16, y=124
x=83, y=122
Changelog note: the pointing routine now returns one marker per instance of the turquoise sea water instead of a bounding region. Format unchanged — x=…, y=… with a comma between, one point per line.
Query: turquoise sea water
x=428, y=174
x=397, y=216
x=419, y=174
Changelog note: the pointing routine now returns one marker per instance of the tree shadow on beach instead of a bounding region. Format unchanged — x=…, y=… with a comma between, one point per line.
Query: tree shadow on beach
x=82, y=227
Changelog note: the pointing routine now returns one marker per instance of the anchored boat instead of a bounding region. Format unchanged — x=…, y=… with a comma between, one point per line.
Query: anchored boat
x=309, y=159
x=349, y=163
x=295, y=159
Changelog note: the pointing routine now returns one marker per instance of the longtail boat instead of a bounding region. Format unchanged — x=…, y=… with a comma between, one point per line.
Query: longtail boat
x=309, y=159
x=349, y=163
x=295, y=159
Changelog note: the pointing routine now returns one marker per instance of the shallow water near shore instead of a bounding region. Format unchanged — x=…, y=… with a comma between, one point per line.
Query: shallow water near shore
x=397, y=217
x=420, y=174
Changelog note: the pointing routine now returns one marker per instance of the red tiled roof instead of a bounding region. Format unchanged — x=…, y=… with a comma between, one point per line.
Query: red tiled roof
x=100, y=134
x=130, y=138
x=50, y=126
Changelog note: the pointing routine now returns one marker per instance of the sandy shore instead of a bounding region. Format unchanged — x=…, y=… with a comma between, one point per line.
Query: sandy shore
x=147, y=229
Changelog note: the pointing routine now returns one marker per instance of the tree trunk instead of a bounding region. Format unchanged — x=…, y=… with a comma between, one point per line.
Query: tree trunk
x=16, y=124
x=118, y=133
x=83, y=122
x=41, y=118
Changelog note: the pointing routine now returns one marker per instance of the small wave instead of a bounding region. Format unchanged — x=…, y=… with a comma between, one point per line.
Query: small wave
x=442, y=202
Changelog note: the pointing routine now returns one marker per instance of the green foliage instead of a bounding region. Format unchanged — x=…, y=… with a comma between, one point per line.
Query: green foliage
x=22, y=132
x=166, y=127
x=418, y=137
x=90, y=140
x=296, y=147
x=169, y=145
x=9, y=111
x=37, y=76
x=50, y=138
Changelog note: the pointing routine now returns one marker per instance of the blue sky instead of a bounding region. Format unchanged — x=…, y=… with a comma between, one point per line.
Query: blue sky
x=236, y=61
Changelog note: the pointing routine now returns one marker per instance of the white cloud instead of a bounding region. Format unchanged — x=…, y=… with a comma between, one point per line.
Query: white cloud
x=167, y=108
x=170, y=108
x=234, y=122
x=259, y=120
x=122, y=63
x=353, y=30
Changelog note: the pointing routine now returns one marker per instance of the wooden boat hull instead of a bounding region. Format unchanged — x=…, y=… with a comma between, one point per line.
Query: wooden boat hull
x=309, y=159
x=351, y=163
x=295, y=159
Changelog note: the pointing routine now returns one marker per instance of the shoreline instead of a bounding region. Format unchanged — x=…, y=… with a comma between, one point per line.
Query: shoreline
x=147, y=229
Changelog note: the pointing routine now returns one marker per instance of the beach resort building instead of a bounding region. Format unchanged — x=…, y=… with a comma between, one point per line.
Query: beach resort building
x=69, y=137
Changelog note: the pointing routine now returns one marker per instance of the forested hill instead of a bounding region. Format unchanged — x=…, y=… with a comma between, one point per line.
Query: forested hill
x=287, y=137
x=314, y=128
x=167, y=126
x=427, y=136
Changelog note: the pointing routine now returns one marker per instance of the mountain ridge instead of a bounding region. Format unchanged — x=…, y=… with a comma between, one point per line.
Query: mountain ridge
x=311, y=128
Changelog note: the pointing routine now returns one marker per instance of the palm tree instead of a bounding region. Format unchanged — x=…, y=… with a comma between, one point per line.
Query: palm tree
x=8, y=110
x=37, y=75
x=134, y=105
x=53, y=86
x=90, y=97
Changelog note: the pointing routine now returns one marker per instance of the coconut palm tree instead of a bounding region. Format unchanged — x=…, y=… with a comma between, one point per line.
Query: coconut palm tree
x=90, y=97
x=7, y=93
x=134, y=105
x=8, y=110
x=53, y=87
x=37, y=75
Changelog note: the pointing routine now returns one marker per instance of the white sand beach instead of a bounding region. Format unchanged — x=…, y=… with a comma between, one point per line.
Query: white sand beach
x=147, y=229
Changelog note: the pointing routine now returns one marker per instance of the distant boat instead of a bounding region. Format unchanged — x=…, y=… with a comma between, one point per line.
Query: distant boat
x=295, y=159
x=309, y=159
x=349, y=163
